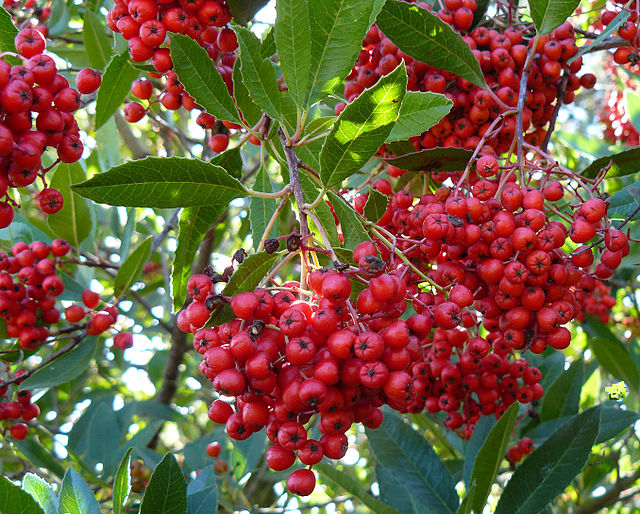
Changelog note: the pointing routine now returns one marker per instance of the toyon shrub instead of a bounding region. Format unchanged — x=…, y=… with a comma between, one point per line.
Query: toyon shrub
x=319, y=255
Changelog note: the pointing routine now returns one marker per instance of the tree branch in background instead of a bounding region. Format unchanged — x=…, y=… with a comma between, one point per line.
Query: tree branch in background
x=136, y=145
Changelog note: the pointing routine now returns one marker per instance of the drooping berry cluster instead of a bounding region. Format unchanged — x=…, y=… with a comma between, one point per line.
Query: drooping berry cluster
x=628, y=31
x=31, y=92
x=502, y=56
x=20, y=409
x=145, y=25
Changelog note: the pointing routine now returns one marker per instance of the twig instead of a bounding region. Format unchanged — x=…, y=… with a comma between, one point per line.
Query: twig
x=554, y=116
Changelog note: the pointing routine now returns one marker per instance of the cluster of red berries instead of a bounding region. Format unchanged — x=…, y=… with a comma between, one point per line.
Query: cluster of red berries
x=34, y=88
x=502, y=56
x=213, y=450
x=30, y=282
x=523, y=447
x=628, y=31
x=20, y=409
x=145, y=24
x=614, y=112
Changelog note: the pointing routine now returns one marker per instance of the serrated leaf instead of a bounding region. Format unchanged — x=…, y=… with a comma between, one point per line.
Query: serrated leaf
x=427, y=38
x=337, y=30
x=202, y=493
x=167, y=490
x=73, y=222
x=65, y=368
x=41, y=492
x=353, y=232
x=624, y=202
x=131, y=269
x=624, y=163
x=407, y=454
x=612, y=354
x=293, y=42
x=550, y=14
x=563, y=397
x=200, y=77
x=38, y=456
x=122, y=483
x=620, y=18
x=14, y=499
x=258, y=73
x=433, y=159
x=244, y=10
x=96, y=40
x=419, y=112
x=362, y=127
x=163, y=183
x=192, y=227
x=75, y=495
x=262, y=209
x=268, y=44
x=322, y=211
x=246, y=278
x=491, y=454
x=8, y=32
x=250, y=111
x=376, y=205
x=352, y=486
x=117, y=79
x=550, y=469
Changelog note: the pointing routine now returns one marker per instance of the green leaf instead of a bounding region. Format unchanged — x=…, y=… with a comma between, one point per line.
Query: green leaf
x=376, y=205
x=613, y=421
x=262, y=209
x=392, y=492
x=353, y=232
x=246, y=454
x=96, y=40
x=41, y=492
x=319, y=125
x=75, y=495
x=103, y=435
x=122, y=483
x=200, y=77
x=550, y=469
x=624, y=163
x=427, y=38
x=246, y=278
x=268, y=44
x=131, y=269
x=65, y=368
x=163, y=183
x=13, y=499
x=167, y=490
x=258, y=73
x=407, y=455
x=193, y=226
x=337, y=30
x=250, y=111
x=550, y=14
x=39, y=456
x=117, y=79
x=480, y=433
x=622, y=16
x=624, y=202
x=202, y=493
x=612, y=354
x=352, y=486
x=419, y=112
x=230, y=160
x=487, y=462
x=322, y=211
x=362, y=127
x=433, y=159
x=8, y=32
x=563, y=397
x=72, y=222
x=293, y=42
x=244, y=10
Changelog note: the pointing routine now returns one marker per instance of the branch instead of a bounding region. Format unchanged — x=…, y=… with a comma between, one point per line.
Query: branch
x=554, y=116
x=136, y=145
x=611, y=497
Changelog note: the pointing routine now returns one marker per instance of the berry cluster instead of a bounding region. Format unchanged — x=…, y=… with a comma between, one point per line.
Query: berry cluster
x=30, y=282
x=502, y=56
x=213, y=450
x=613, y=114
x=20, y=409
x=34, y=88
x=628, y=31
x=145, y=24
x=522, y=448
